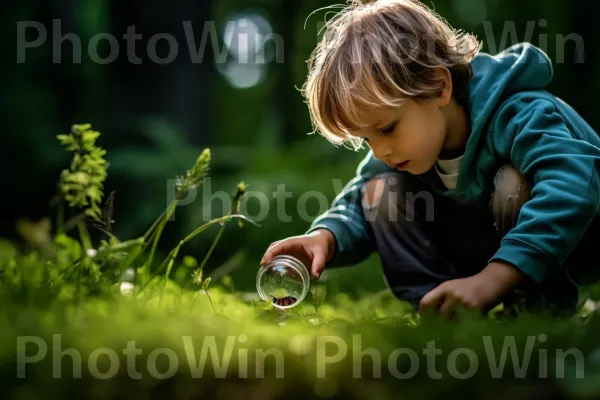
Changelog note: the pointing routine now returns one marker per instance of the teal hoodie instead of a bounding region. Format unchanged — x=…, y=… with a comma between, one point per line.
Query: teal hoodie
x=513, y=120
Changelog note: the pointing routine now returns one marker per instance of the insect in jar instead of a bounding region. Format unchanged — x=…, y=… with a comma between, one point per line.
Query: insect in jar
x=284, y=301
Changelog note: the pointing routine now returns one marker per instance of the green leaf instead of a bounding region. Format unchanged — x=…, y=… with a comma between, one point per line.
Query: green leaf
x=82, y=184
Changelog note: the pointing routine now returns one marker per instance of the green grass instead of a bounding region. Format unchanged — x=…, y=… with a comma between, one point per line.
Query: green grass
x=318, y=344
x=69, y=328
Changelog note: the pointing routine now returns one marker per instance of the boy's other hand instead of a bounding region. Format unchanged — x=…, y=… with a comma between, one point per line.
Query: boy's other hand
x=478, y=292
x=313, y=249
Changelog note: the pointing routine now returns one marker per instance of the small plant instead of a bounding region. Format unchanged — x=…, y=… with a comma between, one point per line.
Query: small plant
x=87, y=269
x=82, y=184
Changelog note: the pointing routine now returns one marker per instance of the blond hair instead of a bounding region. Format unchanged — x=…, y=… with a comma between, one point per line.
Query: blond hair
x=377, y=53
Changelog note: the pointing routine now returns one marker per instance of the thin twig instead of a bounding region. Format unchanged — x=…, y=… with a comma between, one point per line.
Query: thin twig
x=211, y=303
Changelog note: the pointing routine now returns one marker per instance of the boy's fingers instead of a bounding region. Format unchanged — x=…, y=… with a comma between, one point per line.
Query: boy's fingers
x=275, y=249
x=448, y=307
x=431, y=299
x=318, y=264
x=272, y=245
x=270, y=253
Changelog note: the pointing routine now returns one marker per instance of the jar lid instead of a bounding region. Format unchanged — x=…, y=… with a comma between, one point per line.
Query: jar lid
x=284, y=281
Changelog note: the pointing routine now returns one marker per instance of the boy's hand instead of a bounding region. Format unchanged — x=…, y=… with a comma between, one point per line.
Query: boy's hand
x=478, y=292
x=313, y=249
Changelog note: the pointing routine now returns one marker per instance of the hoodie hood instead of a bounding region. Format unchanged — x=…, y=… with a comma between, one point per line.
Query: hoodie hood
x=519, y=68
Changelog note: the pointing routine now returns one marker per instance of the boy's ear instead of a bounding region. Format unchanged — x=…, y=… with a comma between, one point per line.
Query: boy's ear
x=444, y=76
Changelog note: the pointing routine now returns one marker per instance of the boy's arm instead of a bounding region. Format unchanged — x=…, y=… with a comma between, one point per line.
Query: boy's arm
x=566, y=188
x=346, y=219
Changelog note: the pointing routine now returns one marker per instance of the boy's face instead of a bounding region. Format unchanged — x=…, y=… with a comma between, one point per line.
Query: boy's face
x=409, y=137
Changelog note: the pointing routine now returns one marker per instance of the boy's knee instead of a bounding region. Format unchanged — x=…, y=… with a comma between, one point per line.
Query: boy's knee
x=511, y=192
x=380, y=198
x=394, y=198
x=373, y=192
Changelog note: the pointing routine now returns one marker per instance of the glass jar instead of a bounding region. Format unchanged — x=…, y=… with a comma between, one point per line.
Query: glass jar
x=284, y=281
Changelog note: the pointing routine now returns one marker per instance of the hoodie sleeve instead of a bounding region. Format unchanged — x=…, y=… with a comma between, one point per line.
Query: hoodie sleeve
x=566, y=189
x=346, y=220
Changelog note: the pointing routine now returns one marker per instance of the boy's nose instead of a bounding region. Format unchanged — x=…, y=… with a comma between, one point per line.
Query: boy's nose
x=382, y=152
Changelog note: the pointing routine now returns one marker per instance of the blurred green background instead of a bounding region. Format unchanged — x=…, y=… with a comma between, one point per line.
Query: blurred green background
x=239, y=96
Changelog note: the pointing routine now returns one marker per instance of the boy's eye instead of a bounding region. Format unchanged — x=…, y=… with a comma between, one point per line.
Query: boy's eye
x=388, y=129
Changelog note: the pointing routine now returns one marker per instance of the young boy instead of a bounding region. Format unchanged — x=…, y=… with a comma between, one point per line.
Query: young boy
x=479, y=188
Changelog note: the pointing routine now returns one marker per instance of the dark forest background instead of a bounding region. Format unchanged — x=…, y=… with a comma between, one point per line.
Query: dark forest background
x=156, y=117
